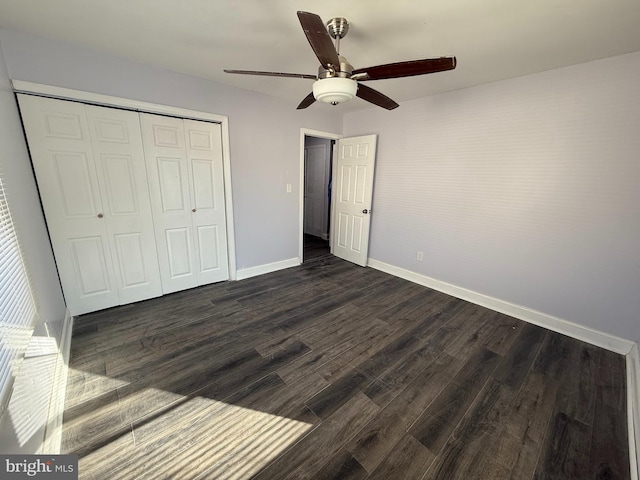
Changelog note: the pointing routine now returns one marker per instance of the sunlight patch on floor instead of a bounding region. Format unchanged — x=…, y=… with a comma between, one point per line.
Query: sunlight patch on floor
x=197, y=438
x=84, y=385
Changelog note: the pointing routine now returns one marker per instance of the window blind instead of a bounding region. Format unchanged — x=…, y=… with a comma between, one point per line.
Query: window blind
x=17, y=307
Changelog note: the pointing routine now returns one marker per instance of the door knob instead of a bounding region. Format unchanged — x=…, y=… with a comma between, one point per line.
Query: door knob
x=100, y=215
x=365, y=211
x=193, y=210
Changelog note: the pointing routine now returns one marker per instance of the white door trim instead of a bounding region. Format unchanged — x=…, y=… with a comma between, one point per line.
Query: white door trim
x=311, y=133
x=20, y=86
x=633, y=409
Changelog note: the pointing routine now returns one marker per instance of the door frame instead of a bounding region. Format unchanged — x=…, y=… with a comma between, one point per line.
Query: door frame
x=20, y=86
x=309, y=133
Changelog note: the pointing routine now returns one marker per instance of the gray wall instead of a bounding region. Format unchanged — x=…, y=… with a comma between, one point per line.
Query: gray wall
x=264, y=132
x=525, y=190
x=22, y=195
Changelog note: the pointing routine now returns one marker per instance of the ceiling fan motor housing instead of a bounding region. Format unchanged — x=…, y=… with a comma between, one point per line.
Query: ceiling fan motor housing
x=344, y=70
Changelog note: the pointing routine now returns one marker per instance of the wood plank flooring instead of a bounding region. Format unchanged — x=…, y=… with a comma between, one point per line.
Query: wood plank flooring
x=333, y=371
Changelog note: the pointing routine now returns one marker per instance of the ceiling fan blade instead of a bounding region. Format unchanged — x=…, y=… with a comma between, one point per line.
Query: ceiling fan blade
x=407, y=69
x=375, y=97
x=308, y=100
x=273, y=74
x=319, y=39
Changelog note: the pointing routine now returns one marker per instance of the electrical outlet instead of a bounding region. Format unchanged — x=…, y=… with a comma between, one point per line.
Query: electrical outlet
x=420, y=256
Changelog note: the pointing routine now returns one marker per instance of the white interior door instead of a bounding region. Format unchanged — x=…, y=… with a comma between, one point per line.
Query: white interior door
x=352, y=195
x=184, y=166
x=90, y=170
x=315, y=190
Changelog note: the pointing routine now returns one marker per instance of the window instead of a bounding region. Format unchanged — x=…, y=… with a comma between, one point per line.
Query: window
x=17, y=307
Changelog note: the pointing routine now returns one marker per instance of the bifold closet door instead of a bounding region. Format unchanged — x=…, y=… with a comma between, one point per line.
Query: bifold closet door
x=186, y=183
x=90, y=168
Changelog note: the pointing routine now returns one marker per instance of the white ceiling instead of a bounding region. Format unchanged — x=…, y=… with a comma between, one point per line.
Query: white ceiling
x=492, y=39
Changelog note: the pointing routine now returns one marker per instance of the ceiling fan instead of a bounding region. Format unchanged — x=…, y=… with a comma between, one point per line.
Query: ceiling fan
x=337, y=81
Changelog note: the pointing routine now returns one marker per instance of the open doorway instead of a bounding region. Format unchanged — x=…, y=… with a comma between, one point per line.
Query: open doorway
x=316, y=180
x=317, y=196
x=350, y=208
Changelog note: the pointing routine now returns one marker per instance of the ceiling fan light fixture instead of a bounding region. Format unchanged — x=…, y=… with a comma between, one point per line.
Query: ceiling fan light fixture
x=334, y=90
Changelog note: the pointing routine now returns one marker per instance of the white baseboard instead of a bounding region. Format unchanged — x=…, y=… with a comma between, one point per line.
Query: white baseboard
x=53, y=432
x=267, y=268
x=580, y=332
x=633, y=409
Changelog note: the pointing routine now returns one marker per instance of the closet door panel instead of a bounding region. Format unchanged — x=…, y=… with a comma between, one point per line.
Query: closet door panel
x=164, y=147
x=180, y=252
x=73, y=182
x=173, y=194
x=64, y=164
x=209, y=257
x=90, y=265
x=117, y=144
x=130, y=252
x=205, y=168
x=120, y=184
x=203, y=188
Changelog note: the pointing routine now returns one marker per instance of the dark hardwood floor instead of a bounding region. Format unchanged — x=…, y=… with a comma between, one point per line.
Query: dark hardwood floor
x=333, y=371
x=314, y=247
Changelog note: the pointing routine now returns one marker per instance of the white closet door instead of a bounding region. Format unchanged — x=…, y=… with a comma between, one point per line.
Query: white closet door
x=62, y=156
x=184, y=166
x=117, y=146
x=93, y=188
x=204, y=167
